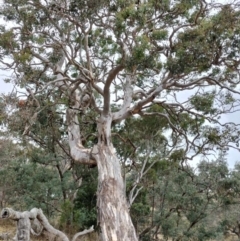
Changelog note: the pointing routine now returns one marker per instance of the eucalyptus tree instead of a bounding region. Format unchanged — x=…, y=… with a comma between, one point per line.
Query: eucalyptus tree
x=179, y=203
x=103, y=62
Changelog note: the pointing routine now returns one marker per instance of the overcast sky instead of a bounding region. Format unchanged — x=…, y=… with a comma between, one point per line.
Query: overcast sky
x=4, y=88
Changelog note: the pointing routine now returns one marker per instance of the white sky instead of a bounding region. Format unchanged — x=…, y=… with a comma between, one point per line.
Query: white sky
x=4, y=88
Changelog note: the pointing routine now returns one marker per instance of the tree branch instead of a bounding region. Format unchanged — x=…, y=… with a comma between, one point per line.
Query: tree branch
x=77, y=151
x=82, y=233
x=128, y=95
x=112, y=74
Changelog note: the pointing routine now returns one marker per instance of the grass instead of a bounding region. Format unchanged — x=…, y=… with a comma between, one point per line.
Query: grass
x=9, y=227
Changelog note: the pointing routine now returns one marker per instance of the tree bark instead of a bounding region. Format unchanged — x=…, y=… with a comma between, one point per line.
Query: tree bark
x=113, y=213
x=24, y=224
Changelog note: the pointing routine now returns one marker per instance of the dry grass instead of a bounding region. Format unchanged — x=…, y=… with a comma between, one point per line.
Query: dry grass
x=9, y=227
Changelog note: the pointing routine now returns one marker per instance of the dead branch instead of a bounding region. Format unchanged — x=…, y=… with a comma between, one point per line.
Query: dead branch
x=37, y=217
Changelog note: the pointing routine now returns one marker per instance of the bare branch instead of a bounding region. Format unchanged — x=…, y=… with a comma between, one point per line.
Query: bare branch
x=82, y=233
x=128, y=94
x=112, y=74
x=24, y=225
x=136, y=109
x=77, y=151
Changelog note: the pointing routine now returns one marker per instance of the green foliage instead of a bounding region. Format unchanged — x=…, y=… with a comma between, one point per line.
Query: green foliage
x=81, y=213
x=140, y=210
x=67, y=215
x=32, y=185
x=207, y=45
x=85, y=203
x=186, y=204
x=159, y=34
x=204, y=102
x=142, y=132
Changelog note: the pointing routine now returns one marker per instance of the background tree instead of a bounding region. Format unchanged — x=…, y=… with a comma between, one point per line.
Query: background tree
x=99, y=64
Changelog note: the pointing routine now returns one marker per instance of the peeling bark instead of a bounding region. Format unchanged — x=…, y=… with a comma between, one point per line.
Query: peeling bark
x=77, y=151
x=113, y=210
x=113, y=213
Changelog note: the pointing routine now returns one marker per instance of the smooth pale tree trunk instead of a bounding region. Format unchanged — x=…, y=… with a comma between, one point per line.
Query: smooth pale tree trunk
x=113, y=209
x=113, y=212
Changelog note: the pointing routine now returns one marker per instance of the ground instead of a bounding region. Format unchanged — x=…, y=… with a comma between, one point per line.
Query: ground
x=9, y=227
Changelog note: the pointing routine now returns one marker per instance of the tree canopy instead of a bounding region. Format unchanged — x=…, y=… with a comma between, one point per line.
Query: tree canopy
x=120, y=84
